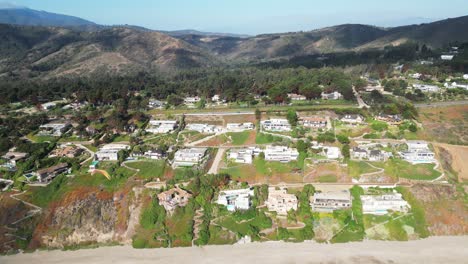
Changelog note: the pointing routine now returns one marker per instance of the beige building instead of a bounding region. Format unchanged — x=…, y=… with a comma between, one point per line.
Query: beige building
x=173, y=198
x=280, y=201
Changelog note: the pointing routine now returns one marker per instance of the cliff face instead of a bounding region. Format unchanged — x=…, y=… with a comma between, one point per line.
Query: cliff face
x=88, y=217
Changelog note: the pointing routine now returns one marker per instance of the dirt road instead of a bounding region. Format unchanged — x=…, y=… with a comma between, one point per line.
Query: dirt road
x=217, y=161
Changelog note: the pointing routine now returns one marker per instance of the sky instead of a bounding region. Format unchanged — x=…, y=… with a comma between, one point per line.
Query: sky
x=252, y=16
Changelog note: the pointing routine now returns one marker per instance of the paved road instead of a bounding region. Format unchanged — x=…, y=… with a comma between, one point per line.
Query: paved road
x=361, y=102
x=91, y=153
x=220, y=113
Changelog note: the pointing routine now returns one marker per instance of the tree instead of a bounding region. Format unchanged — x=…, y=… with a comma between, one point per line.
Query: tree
x=278, y=94
x=292, y=117
x=310, y=91
x=379, y=126
x=201, y=104
x=283, y=233
x=326, y=137
x=345, y=151
x=258, y=114
x=174, y=100
x=302, y=146
x=360, y=84
x=292, y=216
x=343, y=139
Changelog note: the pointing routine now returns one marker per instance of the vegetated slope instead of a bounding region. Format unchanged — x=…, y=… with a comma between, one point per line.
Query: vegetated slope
x=39, y=51
x=347, y=37
x=435, y=35
x=49, y=52
x=26, y=16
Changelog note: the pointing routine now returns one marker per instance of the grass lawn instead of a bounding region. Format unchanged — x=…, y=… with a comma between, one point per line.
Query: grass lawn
x=387, y=227
x=262, y=138
x=121, y=138
x=40, y=139
x=238, y=138
x=262, y=171
x=149, y=169
x=91, y=147
x=356, y=168
x=327, y=178
x=404, y=169
x=269, y=167
x=73, y=139
x=192, y=136
x=160, y=139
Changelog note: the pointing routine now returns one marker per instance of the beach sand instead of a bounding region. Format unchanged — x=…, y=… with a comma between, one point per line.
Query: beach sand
x=431, y=250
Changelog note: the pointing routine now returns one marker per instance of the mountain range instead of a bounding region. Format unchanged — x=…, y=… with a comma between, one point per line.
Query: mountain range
x=36, y=43
x=16, y=15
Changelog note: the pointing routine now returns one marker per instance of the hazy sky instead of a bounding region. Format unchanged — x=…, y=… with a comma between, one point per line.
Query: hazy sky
x=252, y=16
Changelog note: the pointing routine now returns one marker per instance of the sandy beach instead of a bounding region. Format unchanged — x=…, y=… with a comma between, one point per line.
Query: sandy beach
x=431, y=250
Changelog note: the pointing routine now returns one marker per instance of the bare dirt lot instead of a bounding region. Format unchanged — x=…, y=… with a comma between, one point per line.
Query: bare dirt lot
x=455, y=159
x=326, y=172
x=220, y=120
x=446, y=211
x=445, y=124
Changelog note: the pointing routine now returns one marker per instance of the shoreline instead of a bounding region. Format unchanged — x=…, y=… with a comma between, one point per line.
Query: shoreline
x=441, y=249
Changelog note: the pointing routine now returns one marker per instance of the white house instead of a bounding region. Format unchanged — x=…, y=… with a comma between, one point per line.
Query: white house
x=161, y=126
x=427, y=88
x=331, y=96
x=110, y=152
x=447, y=57
x=54, y=129
x=189, y=157
x=415, y=145
x=296, y=97
x=280, y=153
x=352, y=119
x=12, y=157
x=236, y=199
x=239, y=127
x=383, y=204
x=359, y=153
x=192, y=100
x=48, y=106
x=418, y=152
x=276, y=125
x=150, y=154
x=456, y=85
x=153, y=104
x=332, y=152
x=379, y=155
x=204, y=128
x=421, y=156
x=216, y=98
x=313, y=122
x=280, y=201
x=244, y=155
x=331, y=201
x=416, y=75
